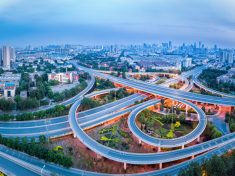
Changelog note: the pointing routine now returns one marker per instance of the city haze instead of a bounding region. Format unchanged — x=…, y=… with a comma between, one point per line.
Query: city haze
x=25, y=22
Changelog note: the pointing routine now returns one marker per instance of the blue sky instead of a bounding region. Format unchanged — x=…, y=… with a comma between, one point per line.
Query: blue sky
x=40, y=22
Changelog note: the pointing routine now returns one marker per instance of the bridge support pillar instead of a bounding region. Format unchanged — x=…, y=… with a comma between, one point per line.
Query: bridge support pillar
x=98, y=156
x=182, y=146
x=140, y=141
x=193, y=156
x=125, y=165
x=198, y=139
x=74, y=135
x=186, y=111
x=159, y=149
x=160, y=165
x=232, y=109
x=136, y=91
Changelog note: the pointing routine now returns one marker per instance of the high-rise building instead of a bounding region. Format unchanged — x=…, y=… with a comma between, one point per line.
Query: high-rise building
x=6, y=57
x=230, y=57
x=224, y=56
x=12, y=55
x=0, y=56
x=227, y=56
x=187, y=62
x=170, y=45
x=200, y=44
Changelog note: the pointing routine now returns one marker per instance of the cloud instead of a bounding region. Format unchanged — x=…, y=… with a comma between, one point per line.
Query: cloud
x=113, y=20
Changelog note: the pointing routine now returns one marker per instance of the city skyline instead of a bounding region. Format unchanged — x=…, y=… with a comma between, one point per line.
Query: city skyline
x=58, y=22
x=114, y=87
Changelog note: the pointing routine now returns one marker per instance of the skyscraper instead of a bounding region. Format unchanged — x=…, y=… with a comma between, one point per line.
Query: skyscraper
x=230, y=57
x=0, y=56
x=227, y=56
x=12, y=55
x=200, y=44
x=6, y=57
x=170, y=45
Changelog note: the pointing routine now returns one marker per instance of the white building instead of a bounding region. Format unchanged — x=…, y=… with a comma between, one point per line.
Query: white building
x=12, y=55
x=187, y=62
x=0, y=56
x=7, y=90
x=10, y=77
x=230, y=58
x=227, y=56
x=6, y=57
x=67, y=77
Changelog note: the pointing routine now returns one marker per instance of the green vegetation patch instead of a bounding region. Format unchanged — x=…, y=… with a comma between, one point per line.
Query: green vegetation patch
x=101, y=84
x=208, y=78
x=89, y=103
x=38, y=149
x=215, y=166
x=58, y=110
x=114, y=137
x=164, y=126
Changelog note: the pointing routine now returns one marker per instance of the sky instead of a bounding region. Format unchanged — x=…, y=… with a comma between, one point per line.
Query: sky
x=42, y=22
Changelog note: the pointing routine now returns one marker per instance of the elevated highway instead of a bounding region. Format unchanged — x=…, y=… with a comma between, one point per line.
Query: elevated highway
x=218, y=146
x=55, y=127
x=199, y=84
x=165, y=92
x=167, y=143
x=141, y=158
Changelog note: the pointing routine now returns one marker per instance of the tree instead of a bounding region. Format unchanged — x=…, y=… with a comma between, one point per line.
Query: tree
x=38, y=150
x=177, y=111
x=170, y=134
x=209, y=111
x=27, y=103
x=177, y=124
x=6, y=104
x=203, y=108
x=227, y=117
x=123, y=75
x=59, y=108
x=182, y=117
x=42, y=139
x=161, y=107
x=194, y=169
x=216, y=166
x=58, y=148
x=232, y=127
x=88, y=103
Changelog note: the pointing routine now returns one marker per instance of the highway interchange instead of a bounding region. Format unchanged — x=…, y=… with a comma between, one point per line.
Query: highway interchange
x=76, y=123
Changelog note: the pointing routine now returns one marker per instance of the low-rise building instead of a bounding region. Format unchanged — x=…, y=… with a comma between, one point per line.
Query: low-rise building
x=67, y=77
x=23, y=94
x=187, y=62
x=229, y=77
x=10, y=77
x=7, y=89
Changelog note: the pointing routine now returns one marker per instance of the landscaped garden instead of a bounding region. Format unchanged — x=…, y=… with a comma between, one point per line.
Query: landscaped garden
x=114, y=137
x=164, y=126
